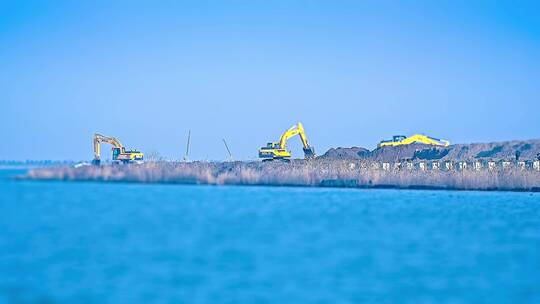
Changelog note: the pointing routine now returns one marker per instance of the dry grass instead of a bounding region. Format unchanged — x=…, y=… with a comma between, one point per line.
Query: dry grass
x=297, y=173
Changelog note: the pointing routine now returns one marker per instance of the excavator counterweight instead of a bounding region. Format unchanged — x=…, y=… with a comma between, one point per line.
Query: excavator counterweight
x=278, y=150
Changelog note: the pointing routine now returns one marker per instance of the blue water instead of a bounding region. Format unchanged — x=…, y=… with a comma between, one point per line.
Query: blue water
x=129, y=243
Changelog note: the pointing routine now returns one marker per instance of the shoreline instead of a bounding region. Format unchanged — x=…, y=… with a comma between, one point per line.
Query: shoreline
x=362, y=187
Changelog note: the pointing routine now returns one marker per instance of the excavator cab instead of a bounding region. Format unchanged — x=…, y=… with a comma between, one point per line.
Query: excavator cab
x=115, y=153
x=397, y=138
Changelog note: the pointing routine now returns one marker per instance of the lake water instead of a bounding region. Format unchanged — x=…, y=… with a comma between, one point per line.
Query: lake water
x=132, y=243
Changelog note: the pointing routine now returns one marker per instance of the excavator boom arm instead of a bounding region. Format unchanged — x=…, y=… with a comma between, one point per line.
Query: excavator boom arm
x=417, y=138
x=293, y=131
x=98, y=139
x=426, y=140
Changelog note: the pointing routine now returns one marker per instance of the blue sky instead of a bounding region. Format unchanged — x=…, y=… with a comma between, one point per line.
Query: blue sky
x=354, y=72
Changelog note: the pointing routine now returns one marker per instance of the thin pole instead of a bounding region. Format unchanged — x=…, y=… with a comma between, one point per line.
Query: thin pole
x=227, y=147
x=187, y=147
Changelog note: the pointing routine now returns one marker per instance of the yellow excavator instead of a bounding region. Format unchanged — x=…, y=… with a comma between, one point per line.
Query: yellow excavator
x=120, y=154
x=400, y=140
x=278, y=150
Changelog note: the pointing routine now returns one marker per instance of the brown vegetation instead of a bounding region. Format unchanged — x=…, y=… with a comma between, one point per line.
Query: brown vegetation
x=337, y=173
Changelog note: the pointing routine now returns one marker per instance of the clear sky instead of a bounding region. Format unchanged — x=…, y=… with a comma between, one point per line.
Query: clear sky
x=354, y=72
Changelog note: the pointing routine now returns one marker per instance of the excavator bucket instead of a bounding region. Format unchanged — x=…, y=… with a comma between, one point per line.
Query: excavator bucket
x=309, y=152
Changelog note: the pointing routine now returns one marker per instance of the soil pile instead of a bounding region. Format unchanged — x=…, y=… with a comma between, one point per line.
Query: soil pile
x=509, y=150
x=347, y=153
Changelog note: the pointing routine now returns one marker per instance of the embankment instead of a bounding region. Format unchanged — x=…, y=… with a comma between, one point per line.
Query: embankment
x=315, y=173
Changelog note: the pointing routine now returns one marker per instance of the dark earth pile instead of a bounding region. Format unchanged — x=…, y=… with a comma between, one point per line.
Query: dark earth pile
x=347, y=153
x=509, y=150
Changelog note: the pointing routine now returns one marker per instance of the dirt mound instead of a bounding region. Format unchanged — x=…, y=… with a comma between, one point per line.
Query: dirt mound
x=509, y=150
x=347, y=153
x=525, y=150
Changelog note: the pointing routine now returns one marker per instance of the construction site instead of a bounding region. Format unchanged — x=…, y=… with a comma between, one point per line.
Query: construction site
x=412, y=162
